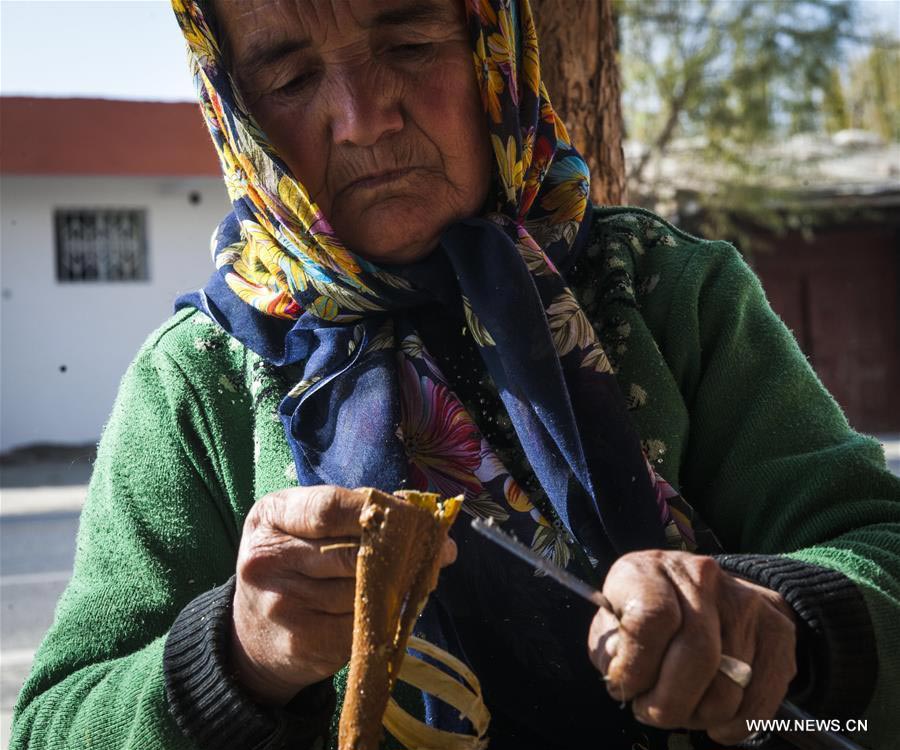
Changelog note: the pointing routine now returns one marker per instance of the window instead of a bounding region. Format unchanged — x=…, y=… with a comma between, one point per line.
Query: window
x=101, y=245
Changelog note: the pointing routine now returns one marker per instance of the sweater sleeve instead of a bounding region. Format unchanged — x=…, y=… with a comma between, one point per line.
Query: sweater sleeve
x=158, y=535
x=802, y=503
x=208, y=703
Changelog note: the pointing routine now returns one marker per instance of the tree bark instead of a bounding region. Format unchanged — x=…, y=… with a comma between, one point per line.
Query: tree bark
x=579, y=67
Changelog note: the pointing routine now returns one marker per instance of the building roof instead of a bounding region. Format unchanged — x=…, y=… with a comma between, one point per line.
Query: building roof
x=851, y=167
x=42, y=136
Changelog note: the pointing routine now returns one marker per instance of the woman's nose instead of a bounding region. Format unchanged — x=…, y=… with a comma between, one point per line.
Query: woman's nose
x=364, y=110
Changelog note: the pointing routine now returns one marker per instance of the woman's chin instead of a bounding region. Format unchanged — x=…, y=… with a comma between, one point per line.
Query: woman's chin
x=399, y=229
x=388, y=253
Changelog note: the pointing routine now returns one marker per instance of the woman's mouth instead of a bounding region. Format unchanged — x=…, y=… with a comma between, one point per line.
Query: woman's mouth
x=378, y=179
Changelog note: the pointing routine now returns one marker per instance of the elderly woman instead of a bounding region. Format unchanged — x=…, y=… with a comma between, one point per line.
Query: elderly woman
x=413, y=290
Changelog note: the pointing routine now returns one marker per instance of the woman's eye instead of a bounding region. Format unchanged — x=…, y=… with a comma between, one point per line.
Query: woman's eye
x=296, y=85
x=408, y=51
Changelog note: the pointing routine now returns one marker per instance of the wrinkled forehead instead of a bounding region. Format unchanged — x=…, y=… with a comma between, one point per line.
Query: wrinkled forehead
x=324, y=13
x=323, y=22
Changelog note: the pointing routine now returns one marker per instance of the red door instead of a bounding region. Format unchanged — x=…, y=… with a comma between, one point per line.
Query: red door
x=839, y=294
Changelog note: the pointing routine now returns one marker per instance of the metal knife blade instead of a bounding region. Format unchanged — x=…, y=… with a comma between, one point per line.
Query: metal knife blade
x=493, y=532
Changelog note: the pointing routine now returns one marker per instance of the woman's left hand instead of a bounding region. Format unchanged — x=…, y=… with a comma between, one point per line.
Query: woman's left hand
x=678, y=613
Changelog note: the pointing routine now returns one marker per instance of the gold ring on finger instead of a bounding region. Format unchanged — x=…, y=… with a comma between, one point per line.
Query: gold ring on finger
x=736, y=670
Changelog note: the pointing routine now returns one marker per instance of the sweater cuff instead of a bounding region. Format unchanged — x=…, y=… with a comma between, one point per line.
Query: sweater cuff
x=836, y=656
x=208, y=703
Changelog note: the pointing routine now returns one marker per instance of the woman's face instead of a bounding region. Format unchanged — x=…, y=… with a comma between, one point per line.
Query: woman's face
x=374, y=106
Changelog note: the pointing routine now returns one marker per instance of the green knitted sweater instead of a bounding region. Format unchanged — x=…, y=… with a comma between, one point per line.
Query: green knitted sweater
x=726, y=404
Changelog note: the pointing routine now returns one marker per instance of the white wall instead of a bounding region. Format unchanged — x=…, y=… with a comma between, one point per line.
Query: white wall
x=92, y=329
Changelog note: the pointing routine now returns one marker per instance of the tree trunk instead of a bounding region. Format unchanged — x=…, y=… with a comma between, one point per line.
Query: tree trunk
x=578, y=65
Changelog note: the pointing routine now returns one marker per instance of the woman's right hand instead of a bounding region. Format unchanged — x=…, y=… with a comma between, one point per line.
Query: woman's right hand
x=293, y=604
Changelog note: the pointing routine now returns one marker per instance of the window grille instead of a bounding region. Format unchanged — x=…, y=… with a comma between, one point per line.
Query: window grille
x=101, y=245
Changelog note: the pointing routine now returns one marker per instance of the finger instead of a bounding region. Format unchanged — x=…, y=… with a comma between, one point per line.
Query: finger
x=603, y=640
x=337, y=558
x=272, y=555
x=448, y=552
x=757, y=704
x=733, y=733
x=297, y=596
x=738, y=614
x=774, y=667
x=649, y=617
x=688, y=670
x=691, y=661
x=720, y=703
x=315, y=512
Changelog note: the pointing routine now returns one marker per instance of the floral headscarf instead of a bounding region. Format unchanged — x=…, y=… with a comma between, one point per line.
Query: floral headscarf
x=372, y=407
x=288, y=260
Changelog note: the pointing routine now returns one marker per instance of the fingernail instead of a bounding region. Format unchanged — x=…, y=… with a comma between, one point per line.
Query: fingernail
x=447, y=553
x=611, y=646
